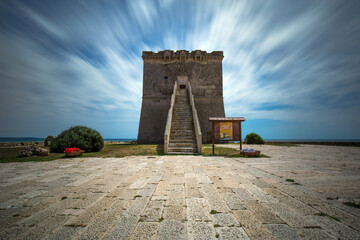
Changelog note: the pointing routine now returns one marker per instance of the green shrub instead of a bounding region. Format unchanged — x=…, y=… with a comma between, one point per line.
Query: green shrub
x=253, y=138
x=81, y=137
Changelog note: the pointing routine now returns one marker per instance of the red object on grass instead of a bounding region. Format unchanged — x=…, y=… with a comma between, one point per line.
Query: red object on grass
x=72, y=150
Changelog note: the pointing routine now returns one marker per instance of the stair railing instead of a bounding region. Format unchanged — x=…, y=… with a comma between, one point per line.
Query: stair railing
x=169, y=121
x=196, y=120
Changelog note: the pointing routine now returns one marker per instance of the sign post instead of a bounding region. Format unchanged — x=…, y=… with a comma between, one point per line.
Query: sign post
x=224, y=129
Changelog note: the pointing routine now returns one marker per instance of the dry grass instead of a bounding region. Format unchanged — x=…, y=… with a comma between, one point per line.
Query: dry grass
x=115, y=150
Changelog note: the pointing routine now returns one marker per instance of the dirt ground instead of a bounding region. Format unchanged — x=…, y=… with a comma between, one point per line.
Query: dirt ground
x=300, y=192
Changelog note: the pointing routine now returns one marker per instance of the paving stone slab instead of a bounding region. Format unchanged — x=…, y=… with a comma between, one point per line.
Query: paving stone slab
x=145, y=230
x=64, y=233
x=233, y=201
x=252, y=225
x=91, y=212
x=225, y=220
x=335, y=228
x=262, y=213
x=200, y=230
x=152, y=212
x=214, y=198
x=314, y=233
x=177, y=213
x=290, y=216
x=232, y=233
x=123, y=228
x=176, y=198
x=243, y=194
x=344, y=217
x=97, y=228
x=171, y=229
x=283, y=231
x=198, y=209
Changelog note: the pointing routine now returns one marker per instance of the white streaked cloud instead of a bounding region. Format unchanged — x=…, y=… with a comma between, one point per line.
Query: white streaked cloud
x=284, y=60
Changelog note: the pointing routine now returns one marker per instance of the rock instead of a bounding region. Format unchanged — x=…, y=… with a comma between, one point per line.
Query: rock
x=25, y=153
x=33, y=151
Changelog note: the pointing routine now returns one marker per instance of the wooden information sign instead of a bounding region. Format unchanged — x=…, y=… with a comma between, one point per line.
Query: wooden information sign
x=226, y=129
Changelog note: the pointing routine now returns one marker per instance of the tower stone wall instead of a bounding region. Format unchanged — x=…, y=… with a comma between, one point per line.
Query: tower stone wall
x=204, y=72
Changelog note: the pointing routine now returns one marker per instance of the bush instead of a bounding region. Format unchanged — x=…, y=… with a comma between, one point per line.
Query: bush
x=48, y=140
x=253, y=138
x=81, y=137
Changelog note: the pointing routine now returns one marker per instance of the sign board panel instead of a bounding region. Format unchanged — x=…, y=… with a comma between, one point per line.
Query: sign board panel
x=226, y=131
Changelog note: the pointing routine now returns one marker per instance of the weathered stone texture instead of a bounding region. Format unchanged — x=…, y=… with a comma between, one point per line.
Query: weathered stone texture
x=204, y=72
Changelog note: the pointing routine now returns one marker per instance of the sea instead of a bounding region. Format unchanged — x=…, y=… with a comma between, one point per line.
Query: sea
x=36, y=139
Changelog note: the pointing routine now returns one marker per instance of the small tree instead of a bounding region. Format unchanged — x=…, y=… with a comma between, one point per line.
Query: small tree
x=48, y=140
x=81, y=137
x=253, y=138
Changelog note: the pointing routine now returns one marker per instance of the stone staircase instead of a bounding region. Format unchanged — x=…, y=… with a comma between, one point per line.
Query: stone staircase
x=182, y=135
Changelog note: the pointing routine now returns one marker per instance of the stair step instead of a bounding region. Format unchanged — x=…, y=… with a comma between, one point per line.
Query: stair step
x=182, y=135
x=177, y=145
x=182, y=153
x=182, y=149
x=182, y=138
x=183, y=130
x=192, y=141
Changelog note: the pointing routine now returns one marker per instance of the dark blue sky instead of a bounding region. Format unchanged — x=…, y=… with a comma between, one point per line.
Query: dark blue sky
x=291, y=68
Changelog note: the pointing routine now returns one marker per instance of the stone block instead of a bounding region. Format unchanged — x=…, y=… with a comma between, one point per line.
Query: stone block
x=171, y=229
x=177, y=213
x=233, y=201
x=145, y=230
x=198, y=209
x=283, y=231
x=152, y=212
x=232, y=233
x=200, y=230
x=225, y=220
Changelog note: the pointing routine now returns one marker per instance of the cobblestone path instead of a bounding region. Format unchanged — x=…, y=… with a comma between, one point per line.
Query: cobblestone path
x=298, y=193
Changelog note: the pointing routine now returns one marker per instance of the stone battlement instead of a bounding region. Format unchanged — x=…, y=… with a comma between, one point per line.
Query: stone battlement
x=182, y=55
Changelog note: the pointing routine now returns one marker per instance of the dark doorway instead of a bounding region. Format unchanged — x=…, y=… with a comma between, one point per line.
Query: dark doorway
x=182, y=86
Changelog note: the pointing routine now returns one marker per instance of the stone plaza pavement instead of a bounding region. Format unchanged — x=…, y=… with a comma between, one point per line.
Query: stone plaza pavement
x=298, y=193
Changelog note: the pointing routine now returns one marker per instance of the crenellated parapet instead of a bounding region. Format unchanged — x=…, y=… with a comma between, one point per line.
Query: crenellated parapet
x=182, y=55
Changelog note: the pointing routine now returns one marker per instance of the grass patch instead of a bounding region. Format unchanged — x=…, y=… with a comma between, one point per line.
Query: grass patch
x=224, y=151
x=214, y=212
x=137, y=196
x=116, y=150
x=109, y=150
x=292, y=181
x=351, y=204
x=217, y=225
x=11, y=155
x=331, y=198
x=123, y=150
x=161, y=219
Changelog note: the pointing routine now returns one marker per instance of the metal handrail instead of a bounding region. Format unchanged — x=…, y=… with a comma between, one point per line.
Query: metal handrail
x=196, y=120
x=169, y=121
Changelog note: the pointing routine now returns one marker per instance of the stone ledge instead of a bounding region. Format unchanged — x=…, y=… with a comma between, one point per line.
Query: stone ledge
x=182, y=55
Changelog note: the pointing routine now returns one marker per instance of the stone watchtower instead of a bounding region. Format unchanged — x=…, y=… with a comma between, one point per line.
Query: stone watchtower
x=161, y=70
